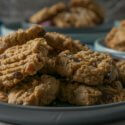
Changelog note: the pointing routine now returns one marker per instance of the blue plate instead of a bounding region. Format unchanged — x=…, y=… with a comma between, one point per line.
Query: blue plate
x=74, y=115
x=100, y=46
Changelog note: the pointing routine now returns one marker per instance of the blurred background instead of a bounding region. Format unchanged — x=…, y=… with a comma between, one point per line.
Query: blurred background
x=18, y=10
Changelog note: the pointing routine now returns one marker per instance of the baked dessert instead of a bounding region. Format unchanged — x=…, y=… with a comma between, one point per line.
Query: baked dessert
x=77, y=17
x=38, y=67
x=20, y=37
x=60, y=42
x=115, y=39
x=78, y=94
x=35, y=91
x=20, y=61
x=88, y=67
x=78, y=13
x=90, y=5
x=112, y=93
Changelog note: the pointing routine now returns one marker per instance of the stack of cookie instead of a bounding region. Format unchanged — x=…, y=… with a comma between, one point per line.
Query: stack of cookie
x=37, y=67
x=78, y=13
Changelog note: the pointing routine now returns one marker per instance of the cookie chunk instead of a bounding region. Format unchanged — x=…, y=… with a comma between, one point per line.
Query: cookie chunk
x=39, y=92
x=88, y=67
x=62, y=42
x=47, y=13
x=20, y=37
x=21, y=61
x=78, y=94
x=58, y=43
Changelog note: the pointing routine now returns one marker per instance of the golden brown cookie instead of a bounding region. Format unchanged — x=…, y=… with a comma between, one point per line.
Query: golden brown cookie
x=58, y=43
x=90, y=5
x=88, y=67
x=20, y=37
x=39, y=92
x=78, y=94
x=47, y=13
x=62, y=42
x=21, y=61
x=77, y=17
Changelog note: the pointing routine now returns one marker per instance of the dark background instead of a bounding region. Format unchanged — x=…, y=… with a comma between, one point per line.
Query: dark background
x=18, y=10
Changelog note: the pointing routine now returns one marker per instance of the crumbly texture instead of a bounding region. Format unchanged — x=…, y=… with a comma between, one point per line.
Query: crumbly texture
x=40, y=92
x=37, y=67
x=121, y=69
x=78, y=94
x=20, y=37
x=87, y=67
x=77, y=17
x=47, y=13
x=58, y=43
x=20, y=61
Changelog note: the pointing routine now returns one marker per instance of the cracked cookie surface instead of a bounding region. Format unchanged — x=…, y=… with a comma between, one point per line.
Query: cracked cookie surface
x=20, y=37
x=20, y=61
x=88, y=67
x=47, y=13
x=77, y=13
x=58, y=43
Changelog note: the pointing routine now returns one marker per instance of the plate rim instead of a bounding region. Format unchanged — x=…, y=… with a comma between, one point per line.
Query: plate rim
x=106, y=26
x=60, y=108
